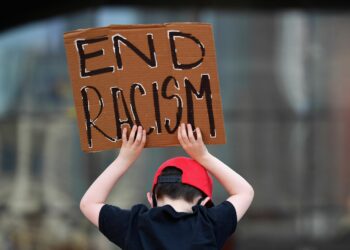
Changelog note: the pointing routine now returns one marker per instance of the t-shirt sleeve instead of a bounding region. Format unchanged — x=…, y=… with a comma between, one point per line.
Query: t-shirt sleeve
x=225, y=221
x=113, y=222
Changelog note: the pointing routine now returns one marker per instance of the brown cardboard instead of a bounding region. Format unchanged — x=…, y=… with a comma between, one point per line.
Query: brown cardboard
x=109, y=64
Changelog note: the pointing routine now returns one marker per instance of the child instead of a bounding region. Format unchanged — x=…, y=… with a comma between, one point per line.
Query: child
x=182, y=214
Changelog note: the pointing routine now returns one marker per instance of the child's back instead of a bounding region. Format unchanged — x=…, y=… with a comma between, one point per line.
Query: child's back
x=182, y=214
x=164, y=228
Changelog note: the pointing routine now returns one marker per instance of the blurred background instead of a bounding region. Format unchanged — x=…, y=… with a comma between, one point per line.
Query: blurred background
x=285, y=83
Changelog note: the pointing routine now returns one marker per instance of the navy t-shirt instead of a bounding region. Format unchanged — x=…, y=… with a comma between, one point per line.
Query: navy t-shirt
x=162, y=228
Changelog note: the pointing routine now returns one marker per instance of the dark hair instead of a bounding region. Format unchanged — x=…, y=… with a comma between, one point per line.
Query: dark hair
x=176, y=190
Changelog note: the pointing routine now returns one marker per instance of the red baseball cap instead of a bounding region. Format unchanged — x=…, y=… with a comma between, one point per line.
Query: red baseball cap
x=193, y=174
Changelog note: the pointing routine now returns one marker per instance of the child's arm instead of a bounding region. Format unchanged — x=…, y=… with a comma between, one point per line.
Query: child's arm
x=240, y=191
x=96, y=195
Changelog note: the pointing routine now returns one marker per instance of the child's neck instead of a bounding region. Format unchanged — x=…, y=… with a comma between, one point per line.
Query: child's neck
x=179, y=205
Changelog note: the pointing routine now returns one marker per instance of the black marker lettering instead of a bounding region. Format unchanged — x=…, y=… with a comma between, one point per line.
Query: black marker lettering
x=83, y=57
x=118, y=121
x=176, y=64
x=179, y=104
x=204, y=88
x=151, y=61
x=156, y=106
x=133, y=104
x=91, y=122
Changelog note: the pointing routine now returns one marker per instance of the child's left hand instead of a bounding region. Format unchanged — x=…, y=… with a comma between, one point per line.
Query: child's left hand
x=132, y=147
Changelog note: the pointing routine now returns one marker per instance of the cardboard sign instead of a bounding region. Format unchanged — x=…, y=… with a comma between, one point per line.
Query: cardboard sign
x=157, y=76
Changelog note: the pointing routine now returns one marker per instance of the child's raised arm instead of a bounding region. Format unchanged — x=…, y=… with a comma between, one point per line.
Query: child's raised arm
x=96, y=195
x=240, y=191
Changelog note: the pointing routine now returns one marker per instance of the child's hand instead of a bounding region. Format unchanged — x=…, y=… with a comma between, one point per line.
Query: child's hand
x=195, y=148
x=132, y=148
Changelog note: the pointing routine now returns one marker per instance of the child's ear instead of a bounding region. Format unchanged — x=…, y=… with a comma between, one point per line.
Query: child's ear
x=149, y=198
x=203, y=202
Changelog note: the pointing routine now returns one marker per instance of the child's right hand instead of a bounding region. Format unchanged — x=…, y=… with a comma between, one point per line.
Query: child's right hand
x=195, y=148
x=132, y=147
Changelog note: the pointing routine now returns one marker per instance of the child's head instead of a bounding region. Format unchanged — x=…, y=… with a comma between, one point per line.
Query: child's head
x=182, y=178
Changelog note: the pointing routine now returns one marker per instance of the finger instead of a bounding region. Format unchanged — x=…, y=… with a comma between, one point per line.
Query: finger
x=144, y=134
x=179, y=137
x=184, y=134
x=143, y=141
x=199, y=135
x=124, y=136
x=132, y=134
x=138, y=135
x=190, y=133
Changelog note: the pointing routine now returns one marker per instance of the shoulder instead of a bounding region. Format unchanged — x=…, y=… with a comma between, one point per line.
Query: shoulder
x=224, y=206
x=115, y=211
x=110, y=213
x=224, y=214
x=224, y=209
x=114, y=222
